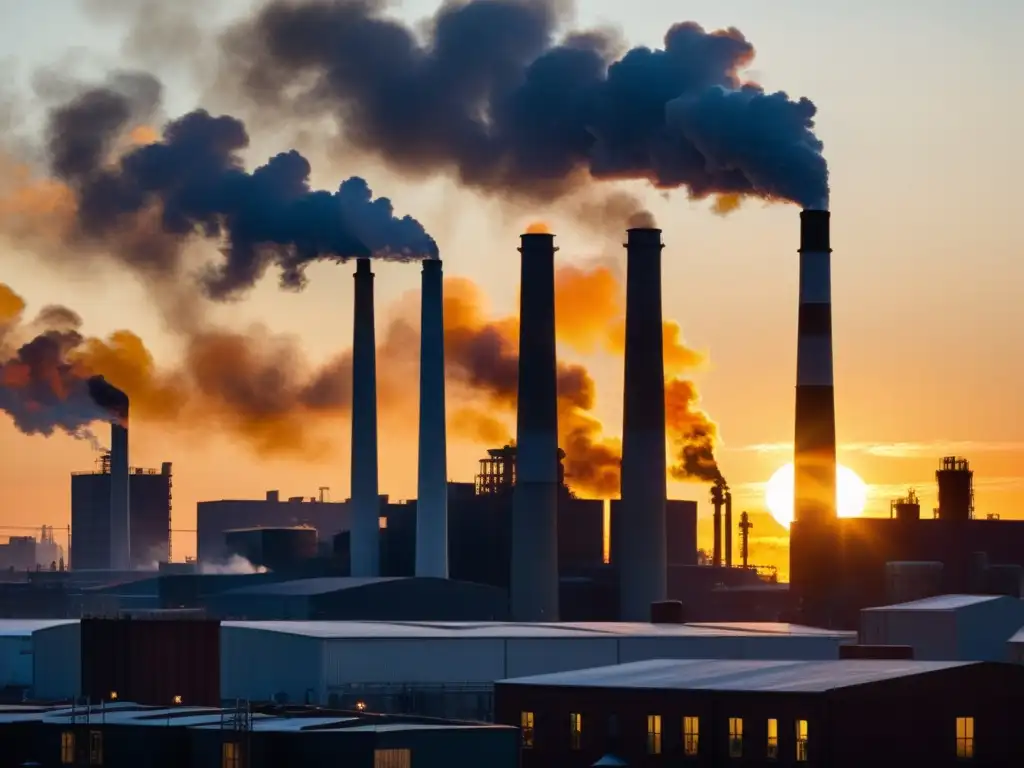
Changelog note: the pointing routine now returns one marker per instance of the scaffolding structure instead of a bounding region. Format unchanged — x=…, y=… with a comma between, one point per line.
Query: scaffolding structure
x=497, y=471
x=236, y=730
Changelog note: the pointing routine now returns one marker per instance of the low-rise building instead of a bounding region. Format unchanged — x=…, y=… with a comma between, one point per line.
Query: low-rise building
x=757, y=713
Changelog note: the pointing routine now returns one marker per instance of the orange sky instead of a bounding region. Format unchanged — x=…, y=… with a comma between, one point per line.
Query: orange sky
x=928, y=322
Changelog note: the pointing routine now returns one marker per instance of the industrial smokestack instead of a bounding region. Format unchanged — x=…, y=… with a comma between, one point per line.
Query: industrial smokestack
x=643, y=565
x=728, y=528
x=114, y=404
x=534, y=577
x=432, y=498
x=120, y=512
x=814, y=444
x=364, y=541
x=717, y=501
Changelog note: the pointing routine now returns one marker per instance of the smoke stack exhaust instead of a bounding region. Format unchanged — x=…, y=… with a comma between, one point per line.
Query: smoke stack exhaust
x=534, y=572
x=643, y=566
x=814, y=443
x=364, y=541
x=432, y=497
x=120, y=512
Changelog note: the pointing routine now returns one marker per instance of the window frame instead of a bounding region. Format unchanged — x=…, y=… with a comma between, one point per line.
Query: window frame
x=575, y=731
x=803, y=741
x=736, y=738
x=654, y=734
x=67, y=748
x=965, y=739
x=96, y=748
x=528, y=729
x=691, y=736
x=772, y=747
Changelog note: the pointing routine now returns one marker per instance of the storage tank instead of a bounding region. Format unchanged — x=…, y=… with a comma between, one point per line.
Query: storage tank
x=906, y=581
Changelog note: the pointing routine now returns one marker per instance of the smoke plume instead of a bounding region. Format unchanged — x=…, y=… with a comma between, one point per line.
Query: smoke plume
x=126, y=192
x=497, y=96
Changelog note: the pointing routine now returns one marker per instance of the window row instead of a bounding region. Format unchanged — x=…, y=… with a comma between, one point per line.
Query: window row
x=691, y=736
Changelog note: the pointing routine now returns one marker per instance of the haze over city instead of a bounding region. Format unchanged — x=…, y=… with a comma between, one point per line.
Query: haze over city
x=925, y=320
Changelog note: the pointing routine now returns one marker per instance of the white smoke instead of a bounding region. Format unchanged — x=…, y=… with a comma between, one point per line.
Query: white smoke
x=235, y=564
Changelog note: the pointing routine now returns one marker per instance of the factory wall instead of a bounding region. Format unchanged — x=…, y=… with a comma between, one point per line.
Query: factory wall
x=261, y=665
x=947, y=627
x=680, y=531
x=215, y=517
x=150, y=518
x=15, y=661
x=273, y=548
x=57, y=662
x=867, y=544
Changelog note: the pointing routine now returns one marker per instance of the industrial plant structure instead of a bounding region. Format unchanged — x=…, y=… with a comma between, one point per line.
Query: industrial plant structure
x=149, y=502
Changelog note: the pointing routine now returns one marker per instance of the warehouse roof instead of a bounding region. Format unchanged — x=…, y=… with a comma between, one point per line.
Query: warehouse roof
x=25, y=627
x=504, y=630
x=740, y=675
x=940, y=603
x=301, y=587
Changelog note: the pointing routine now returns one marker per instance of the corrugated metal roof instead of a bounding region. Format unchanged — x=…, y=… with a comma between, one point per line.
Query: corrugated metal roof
x=940, y=603
x=25, y=627
x=740, y=675
x=1018, y=636
x=508, y=630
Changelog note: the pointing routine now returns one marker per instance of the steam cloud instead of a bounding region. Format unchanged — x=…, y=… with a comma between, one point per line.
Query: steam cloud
x=494, y=96
x=143, y=204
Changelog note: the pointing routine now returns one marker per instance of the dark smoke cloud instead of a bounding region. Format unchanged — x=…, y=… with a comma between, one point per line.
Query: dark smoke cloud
x=496, y=98
x=145, y=205
x=41, y=387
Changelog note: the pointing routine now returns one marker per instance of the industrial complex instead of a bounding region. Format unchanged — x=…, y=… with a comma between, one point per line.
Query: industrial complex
x=509, y=621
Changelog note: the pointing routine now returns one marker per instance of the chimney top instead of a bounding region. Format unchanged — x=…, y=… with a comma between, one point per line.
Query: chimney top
x=363, y=267
x=431, y=265
x=537, y=241
x=814, y=231
x=643, y=236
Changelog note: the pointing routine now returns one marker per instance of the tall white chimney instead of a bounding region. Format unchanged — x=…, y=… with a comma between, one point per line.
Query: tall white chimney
x=643, y=563
x=432, y=496
x=364, y=538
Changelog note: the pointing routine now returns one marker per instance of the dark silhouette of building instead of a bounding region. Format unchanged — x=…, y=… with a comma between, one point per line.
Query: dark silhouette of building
x=150, y=516
x=841, y=713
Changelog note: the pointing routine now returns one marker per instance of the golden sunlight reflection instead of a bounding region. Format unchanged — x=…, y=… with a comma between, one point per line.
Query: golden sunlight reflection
x=851, y=493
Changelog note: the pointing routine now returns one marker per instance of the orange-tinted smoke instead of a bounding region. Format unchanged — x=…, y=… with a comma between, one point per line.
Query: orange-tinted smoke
x=590, y=313
x=538, y=228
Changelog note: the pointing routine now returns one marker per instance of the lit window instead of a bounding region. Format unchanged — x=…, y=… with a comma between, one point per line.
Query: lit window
x=965, y=737
x=773, y=739
x=735, y=737
x=229, y=755
x=177, y=699
x=382, y=523
x=526, y=725
x=801, y=741
x=95, y=748
x=575, y=730
x=392, y=758
x=67, y=748
x=691, y=735
x=654, y=734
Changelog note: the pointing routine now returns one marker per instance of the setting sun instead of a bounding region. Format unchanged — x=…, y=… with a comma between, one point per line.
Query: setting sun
x=851, y=493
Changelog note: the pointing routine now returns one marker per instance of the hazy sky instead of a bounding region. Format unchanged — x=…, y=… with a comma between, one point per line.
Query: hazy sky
x=920, y=112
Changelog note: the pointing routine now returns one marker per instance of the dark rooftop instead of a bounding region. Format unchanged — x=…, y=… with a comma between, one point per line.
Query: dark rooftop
x=740, y=674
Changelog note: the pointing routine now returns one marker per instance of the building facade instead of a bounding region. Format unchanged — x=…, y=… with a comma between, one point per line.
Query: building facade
x=149, y=517
x=761, y=713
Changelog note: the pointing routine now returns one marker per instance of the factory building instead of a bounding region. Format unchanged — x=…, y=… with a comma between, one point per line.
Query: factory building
x=354, y=599
x=443, y=669
x=818, y=713
x=968, y=554
x=275, y=549
x=213, y=518
x=149, y=516
x=121, y=734
x=946, y=627
x=16, y=650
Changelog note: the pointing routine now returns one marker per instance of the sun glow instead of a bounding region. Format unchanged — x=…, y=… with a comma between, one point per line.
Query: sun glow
x=851, y=493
